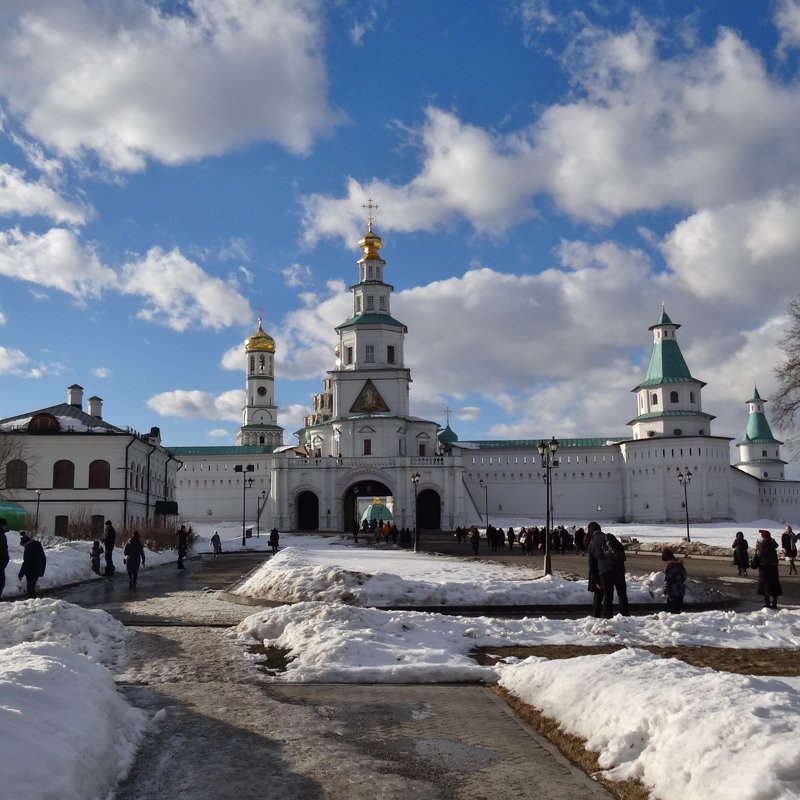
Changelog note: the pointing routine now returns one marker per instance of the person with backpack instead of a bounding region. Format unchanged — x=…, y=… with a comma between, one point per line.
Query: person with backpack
x=675, y=577
x=274, y=539
x=607, y=562
x=34, y=562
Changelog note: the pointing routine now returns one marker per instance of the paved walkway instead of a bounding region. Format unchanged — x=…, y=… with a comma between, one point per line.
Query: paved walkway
x=223, y=730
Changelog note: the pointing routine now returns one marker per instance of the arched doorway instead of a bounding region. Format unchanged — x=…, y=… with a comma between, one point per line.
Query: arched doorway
x=307, y=509
x=429, y=510
x=365, y=488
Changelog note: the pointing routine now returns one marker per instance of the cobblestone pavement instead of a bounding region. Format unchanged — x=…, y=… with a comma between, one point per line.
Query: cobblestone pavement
x=222, y=730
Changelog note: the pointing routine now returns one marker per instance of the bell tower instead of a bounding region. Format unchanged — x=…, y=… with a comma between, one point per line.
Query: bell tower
x=260, y=414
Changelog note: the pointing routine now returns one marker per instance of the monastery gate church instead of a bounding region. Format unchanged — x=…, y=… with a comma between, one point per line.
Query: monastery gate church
x=361, y=441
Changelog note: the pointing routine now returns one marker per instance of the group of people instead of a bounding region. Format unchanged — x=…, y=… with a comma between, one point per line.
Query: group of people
x=530, y=540
x=765, y=559
x=383, y=532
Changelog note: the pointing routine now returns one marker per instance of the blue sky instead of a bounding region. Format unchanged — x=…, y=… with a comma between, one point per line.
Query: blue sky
x=547, y=174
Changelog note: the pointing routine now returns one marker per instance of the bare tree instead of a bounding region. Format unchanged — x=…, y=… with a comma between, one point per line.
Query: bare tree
x=786, y=402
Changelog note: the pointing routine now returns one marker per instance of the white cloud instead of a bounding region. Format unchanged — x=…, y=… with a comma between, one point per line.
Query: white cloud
x=55, y=260
x=130, y=80
x=2, y=318
x=360, y=29
x=297, y=275
x=19, y=196
x=468, y=413
x=178, y=293
x=196, y=404
x=220, y=433
x=232, y=358
x=645, y=133
x=102, y=372
x=787, y=20
x=11, y=359
x=742, y=252
x=290, y=418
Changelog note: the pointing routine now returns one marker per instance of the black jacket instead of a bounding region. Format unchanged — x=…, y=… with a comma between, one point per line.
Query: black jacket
x=599, y=562
x=134, y=553
x=34, y=560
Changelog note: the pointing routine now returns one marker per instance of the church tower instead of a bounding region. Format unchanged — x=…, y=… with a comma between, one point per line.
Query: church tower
x=363, y=409
x=668, y=398
x=260, y=414
x=759, y=450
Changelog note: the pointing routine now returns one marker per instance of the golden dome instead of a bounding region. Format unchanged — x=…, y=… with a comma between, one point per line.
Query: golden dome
x=260, y=342
x=370, y=243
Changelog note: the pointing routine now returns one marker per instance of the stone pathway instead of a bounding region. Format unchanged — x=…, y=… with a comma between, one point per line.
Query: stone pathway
x=221, y=729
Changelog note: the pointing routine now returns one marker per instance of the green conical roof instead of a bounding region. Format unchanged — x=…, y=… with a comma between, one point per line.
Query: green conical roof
x=448, y=436
x=667, y=364
x=758, y=429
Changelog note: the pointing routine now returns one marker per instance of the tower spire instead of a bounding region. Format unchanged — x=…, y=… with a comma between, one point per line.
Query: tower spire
x=370, y=207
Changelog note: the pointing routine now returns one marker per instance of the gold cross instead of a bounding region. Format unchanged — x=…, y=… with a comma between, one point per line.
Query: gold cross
x=370, y=207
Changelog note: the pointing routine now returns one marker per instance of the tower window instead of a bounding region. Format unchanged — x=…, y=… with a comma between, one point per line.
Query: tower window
x=370, y=303
x=369, y=272
x=673, y=397
x=348, y=355
x=262, y=362
x=382, y=303
x=369, y=353
x=252, y=364
x=358, y=304
x=390, y=354
x=763, y=454
x=654, y=399
x=691, y=397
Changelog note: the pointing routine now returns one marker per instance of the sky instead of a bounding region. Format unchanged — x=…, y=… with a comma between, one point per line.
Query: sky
x=546, y=175
x=670, y=724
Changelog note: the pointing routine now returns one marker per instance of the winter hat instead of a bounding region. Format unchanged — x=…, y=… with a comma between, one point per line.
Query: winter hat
x=24, y=538
x=667, y=554
x=764, y=534
x=592, y=527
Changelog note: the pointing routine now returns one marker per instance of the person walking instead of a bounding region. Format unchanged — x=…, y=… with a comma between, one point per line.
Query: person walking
x=766, y=560
x=134, y=555
x=94, y=556
x=674, y=581
x=740, y=556
x=183, y=545
x=109, y=541
x=4, y=558
x=607, y=560
x=594, y=585
x=34, y=562
x=789, y=547
x=216, y=543
x=274, y=538
x=474, y=539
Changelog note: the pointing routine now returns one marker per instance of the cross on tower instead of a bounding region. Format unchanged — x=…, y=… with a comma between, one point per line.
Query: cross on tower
x=260, y=311
x=370, y=207
x=447, y=412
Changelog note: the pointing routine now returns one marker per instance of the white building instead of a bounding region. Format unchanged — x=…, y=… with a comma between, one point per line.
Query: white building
x=360, y=441
x=68, y=467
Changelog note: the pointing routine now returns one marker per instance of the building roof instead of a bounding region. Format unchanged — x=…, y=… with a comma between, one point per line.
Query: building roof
x=509, y=444
x=668, y=414
x=372, y=319
x=71, y=419
x=448, y=436
x=222, y=450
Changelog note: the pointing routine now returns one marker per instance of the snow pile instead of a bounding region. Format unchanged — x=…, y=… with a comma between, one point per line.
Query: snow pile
x=65, y=731
x=680, y=730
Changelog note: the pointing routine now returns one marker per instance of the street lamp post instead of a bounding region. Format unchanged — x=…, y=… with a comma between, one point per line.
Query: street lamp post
x=38, y=498
x=261, y=503
x=415, y=480
x=547, y=452
x=684, y=479
x=246, y=484
x=485, y=487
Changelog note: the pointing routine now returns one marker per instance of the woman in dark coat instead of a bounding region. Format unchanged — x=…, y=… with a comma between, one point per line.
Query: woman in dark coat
x=134, y=555
x=769, y=583
x=740, y=557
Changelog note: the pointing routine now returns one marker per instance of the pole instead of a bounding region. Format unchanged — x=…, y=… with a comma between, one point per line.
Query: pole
x=38, y=498
x=686, y=508
x=548, y=565
x=244, y=490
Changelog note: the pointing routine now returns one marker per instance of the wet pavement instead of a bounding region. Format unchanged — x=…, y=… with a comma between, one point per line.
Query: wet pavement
x=221, y=729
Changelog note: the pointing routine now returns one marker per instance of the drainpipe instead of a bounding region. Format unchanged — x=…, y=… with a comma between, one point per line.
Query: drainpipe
x=153, y=448
x=125, y=496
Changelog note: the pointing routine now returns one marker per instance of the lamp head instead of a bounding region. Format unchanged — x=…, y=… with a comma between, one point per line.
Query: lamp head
x=553, y=444
x=542, y=448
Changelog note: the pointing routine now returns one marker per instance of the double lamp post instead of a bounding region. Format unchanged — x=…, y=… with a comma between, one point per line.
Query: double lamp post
x=246, y=484
x=547, y=453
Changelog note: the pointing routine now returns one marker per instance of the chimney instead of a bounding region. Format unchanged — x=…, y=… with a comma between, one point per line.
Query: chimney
x=75, y=395
x=154, y=435
x=95, y=406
